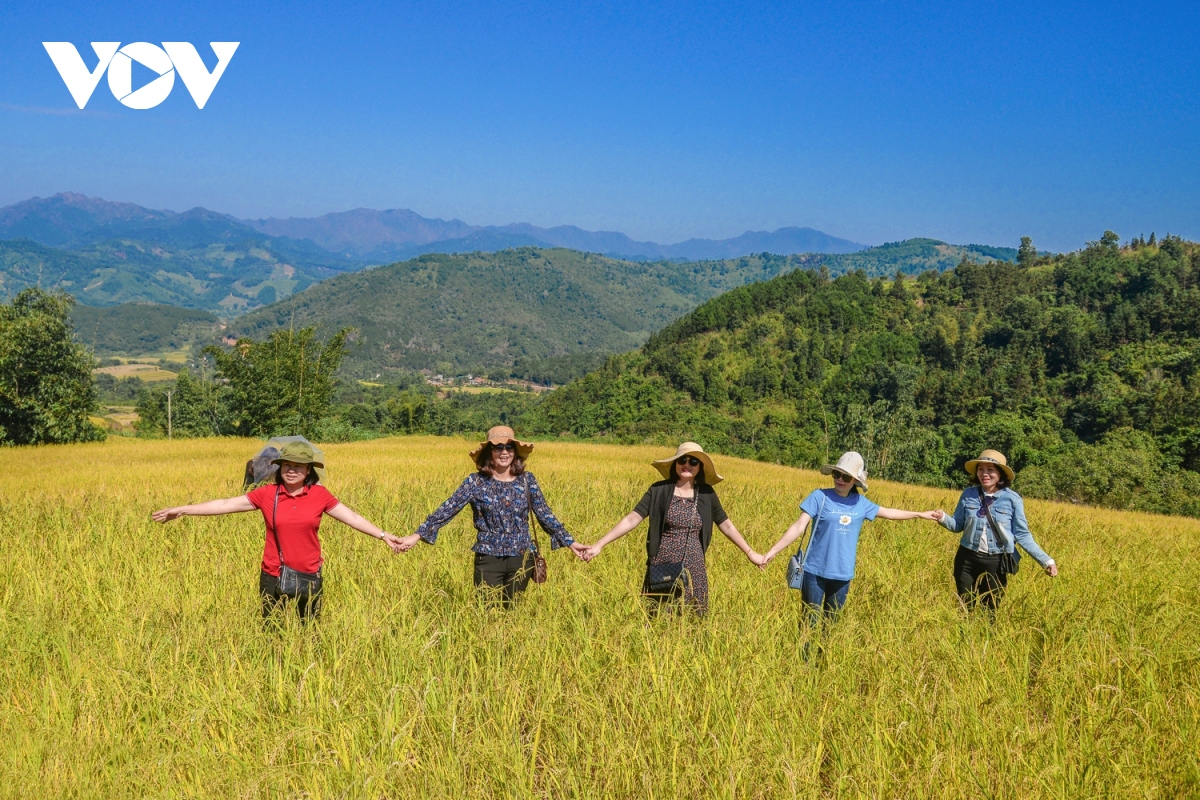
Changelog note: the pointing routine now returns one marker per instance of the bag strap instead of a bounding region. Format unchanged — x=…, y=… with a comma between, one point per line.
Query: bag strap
x=532, y=518
x=812, y=526
x=272, y=528
x=1001, y=539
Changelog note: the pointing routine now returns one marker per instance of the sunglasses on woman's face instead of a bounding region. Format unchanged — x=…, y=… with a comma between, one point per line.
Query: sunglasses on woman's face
x=843, y=477
x=688, y=461
x=509, y=446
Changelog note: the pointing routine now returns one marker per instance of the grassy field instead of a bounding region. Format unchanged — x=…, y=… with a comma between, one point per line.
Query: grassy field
x=135, y=663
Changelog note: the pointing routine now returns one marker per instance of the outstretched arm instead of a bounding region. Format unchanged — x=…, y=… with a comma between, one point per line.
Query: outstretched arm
x=731, y=532
x=627, y=523
x=348, y=516
x=790, y=535
x=211, y=508
x=899, y=513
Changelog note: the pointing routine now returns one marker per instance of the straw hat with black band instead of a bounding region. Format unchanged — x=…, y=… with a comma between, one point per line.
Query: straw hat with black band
x=711, y=477
x=502, y=434
x=994, y=457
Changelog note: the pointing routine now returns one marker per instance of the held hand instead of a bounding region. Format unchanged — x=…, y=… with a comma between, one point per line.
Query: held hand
x=394, y=542
x=591, y=552
x=167, y=514
x=757, y=559
x=580, y=550
x=1052, y=570
x=937, y=515
x=408, y=542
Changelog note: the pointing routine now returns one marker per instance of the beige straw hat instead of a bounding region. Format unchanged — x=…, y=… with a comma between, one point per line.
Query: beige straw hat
x=851, y=464
x=499, y=435
x=711, y=477
x=990, y=457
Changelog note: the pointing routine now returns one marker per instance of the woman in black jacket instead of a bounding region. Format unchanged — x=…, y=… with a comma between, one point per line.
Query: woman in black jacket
x=682, y=511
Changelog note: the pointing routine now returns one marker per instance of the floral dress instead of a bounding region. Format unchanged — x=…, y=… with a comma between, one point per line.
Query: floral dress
x=681, y=542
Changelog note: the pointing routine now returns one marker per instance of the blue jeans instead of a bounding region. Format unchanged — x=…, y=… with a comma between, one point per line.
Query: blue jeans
x=823, y=596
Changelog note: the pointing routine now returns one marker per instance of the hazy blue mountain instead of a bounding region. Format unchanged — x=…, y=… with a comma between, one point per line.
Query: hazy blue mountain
x=397, y=234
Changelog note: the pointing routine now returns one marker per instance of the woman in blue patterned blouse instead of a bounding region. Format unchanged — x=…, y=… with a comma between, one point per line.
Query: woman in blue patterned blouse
x=500, y=493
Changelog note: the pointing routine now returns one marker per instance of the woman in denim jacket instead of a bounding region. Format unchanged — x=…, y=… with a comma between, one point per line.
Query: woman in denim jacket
x=978, y=574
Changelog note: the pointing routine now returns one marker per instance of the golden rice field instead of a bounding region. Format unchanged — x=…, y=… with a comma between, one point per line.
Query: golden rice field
x=135, y=663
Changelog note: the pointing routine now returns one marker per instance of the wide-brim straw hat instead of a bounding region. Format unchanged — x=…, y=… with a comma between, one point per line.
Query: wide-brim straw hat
x=711, y=477
x=990, y=457
x=500, y=435
x=298, y=453
x=852, y=464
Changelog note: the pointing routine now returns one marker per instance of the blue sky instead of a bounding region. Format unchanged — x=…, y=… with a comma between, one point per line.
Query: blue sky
x=969, y=122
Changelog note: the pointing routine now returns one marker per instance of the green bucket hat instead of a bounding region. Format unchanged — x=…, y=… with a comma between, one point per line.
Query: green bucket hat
x=299, y=453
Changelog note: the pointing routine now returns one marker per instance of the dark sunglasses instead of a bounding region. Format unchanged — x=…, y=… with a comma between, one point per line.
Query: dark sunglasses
x=688, y=460
x=842, y=476
x=509, y=446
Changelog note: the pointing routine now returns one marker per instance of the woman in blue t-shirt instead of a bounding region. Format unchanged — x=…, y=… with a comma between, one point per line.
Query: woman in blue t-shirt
x=837, y=515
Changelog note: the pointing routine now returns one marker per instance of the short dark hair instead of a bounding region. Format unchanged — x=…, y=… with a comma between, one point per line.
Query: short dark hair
x=699, y=473
x=309, y=479
x=485, y=465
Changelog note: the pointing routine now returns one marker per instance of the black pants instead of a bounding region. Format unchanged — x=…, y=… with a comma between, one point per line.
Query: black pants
x=268, y=587
x=978, y=578
x=510, y=574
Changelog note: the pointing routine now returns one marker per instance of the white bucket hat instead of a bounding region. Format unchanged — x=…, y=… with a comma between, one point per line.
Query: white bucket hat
x=851, y=464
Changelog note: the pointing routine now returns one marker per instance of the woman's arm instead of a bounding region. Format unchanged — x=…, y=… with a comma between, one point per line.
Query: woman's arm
x=953, y=522
x=347, y=516
x=212, y=508
x=899, y=514
x=550, y=524
x=790, y=535
x=731, y=532
x=1024, y=537
x=428, y=530
x=627, y=523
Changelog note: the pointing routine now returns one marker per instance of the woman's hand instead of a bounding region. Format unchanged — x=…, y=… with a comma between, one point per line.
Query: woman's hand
x=393, y=541
x=167, y=514
x=407, y=543
x=580, y=549
x=937, y=515
x=591, y=552
x=1052, y=569
x=757, y=559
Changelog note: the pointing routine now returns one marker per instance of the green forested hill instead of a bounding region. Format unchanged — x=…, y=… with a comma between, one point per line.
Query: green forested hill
x=227, y=277
x=540, y=313
x=1084, y=369
x=141, y=328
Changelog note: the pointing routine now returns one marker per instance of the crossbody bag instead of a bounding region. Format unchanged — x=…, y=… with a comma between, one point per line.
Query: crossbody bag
x=539, y=561
x=292, y=583
x=1009, y=562
x=795, y=569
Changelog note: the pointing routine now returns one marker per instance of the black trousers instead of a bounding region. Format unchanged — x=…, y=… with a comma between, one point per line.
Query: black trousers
x=509, y=574
x=307, y=607
x=978, y=578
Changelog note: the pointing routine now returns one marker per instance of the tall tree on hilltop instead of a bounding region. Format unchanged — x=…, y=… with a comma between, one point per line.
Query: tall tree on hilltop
x=46, y=387
x=283, y=385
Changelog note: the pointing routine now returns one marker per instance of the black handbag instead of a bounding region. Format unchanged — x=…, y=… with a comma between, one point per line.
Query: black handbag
x=1009, y=562
x=293, y=583
x=666, y=579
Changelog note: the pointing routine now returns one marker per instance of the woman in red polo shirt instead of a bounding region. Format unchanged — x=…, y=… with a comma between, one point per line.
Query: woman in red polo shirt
x=292, y=509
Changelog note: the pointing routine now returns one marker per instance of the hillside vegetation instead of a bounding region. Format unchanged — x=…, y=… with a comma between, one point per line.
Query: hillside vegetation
x=530, y=313
x=146, y=672
x=1084, y=369
x=138, y=328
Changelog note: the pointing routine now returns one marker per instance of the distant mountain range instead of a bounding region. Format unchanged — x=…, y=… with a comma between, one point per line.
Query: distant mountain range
x=398, y=234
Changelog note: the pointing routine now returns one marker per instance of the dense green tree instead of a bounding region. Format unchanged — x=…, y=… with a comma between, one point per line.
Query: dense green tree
x=196, y=407
x=46, y=389
x=1026, y=253
x=281, y=386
